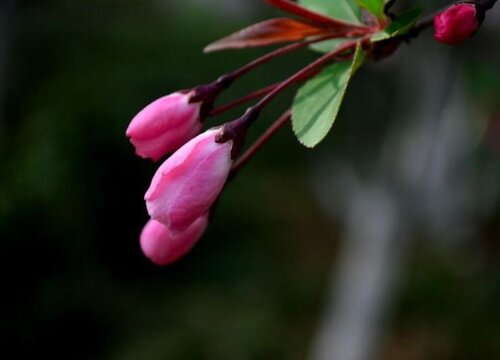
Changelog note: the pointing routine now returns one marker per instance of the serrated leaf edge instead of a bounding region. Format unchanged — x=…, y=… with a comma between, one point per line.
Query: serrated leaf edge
x=357, y=61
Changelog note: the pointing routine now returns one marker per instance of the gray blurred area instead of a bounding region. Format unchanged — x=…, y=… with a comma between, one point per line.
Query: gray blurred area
x=414, y=189
x=424, y=182
x=382, y=243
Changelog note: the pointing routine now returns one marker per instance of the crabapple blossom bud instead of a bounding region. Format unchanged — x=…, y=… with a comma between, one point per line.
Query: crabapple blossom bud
x=456, y=24
x=187, y=184
x=165, y=125
x=163, y=247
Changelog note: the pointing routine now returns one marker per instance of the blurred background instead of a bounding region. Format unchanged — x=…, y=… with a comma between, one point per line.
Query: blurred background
x=383, y=243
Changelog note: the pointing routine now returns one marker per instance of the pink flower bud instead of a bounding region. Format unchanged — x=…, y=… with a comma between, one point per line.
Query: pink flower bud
x=187, y=184
x=456, y=24
x=163, y=247
x=165, y=125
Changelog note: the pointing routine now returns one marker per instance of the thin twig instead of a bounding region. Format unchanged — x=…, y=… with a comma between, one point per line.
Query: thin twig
x=274, y=54
x=254, y=95
x=252, y=150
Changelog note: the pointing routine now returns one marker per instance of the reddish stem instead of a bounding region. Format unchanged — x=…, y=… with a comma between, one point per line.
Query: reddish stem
x=235, y=129
x=252, y=150
x=487, y=4
x=273, y=54
x=325, y=59
x=256, y=94
x=208, y=93
x=231, y=105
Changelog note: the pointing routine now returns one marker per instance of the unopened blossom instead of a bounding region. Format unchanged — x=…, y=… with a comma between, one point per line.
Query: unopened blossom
x=165, y=125
x=456, y=24
x=187, y=184
x=163, y=247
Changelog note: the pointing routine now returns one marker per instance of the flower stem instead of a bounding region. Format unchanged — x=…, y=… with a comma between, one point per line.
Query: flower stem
x=256, y=94
x=229, y=78
x=320, y=62
x=231, y=105
x=487, y=4
x=235, y=129
x=252, y=150
x=207, y=93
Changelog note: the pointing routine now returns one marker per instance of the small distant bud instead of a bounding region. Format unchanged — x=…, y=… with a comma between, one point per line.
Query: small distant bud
x=456, y=24
x=165, y=125
x=187, y=184
x=163, y=247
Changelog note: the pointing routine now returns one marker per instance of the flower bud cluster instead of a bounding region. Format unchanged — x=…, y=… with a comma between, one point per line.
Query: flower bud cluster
x=188, y=183
x=186, y=186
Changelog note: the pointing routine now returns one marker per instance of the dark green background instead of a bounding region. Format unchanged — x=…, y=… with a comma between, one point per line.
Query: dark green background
x=74, y=282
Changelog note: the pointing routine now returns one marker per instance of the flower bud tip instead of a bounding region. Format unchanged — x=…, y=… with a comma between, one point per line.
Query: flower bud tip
x=164, y=125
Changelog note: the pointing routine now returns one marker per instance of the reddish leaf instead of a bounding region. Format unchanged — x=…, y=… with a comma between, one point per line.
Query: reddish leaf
x=296, y=9
x=268, y=32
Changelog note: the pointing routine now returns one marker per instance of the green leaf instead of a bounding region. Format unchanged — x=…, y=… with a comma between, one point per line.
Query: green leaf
x=327, y=45
x=376, y=7
x=317, y=103
x=346, y=10
x=399, y=26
